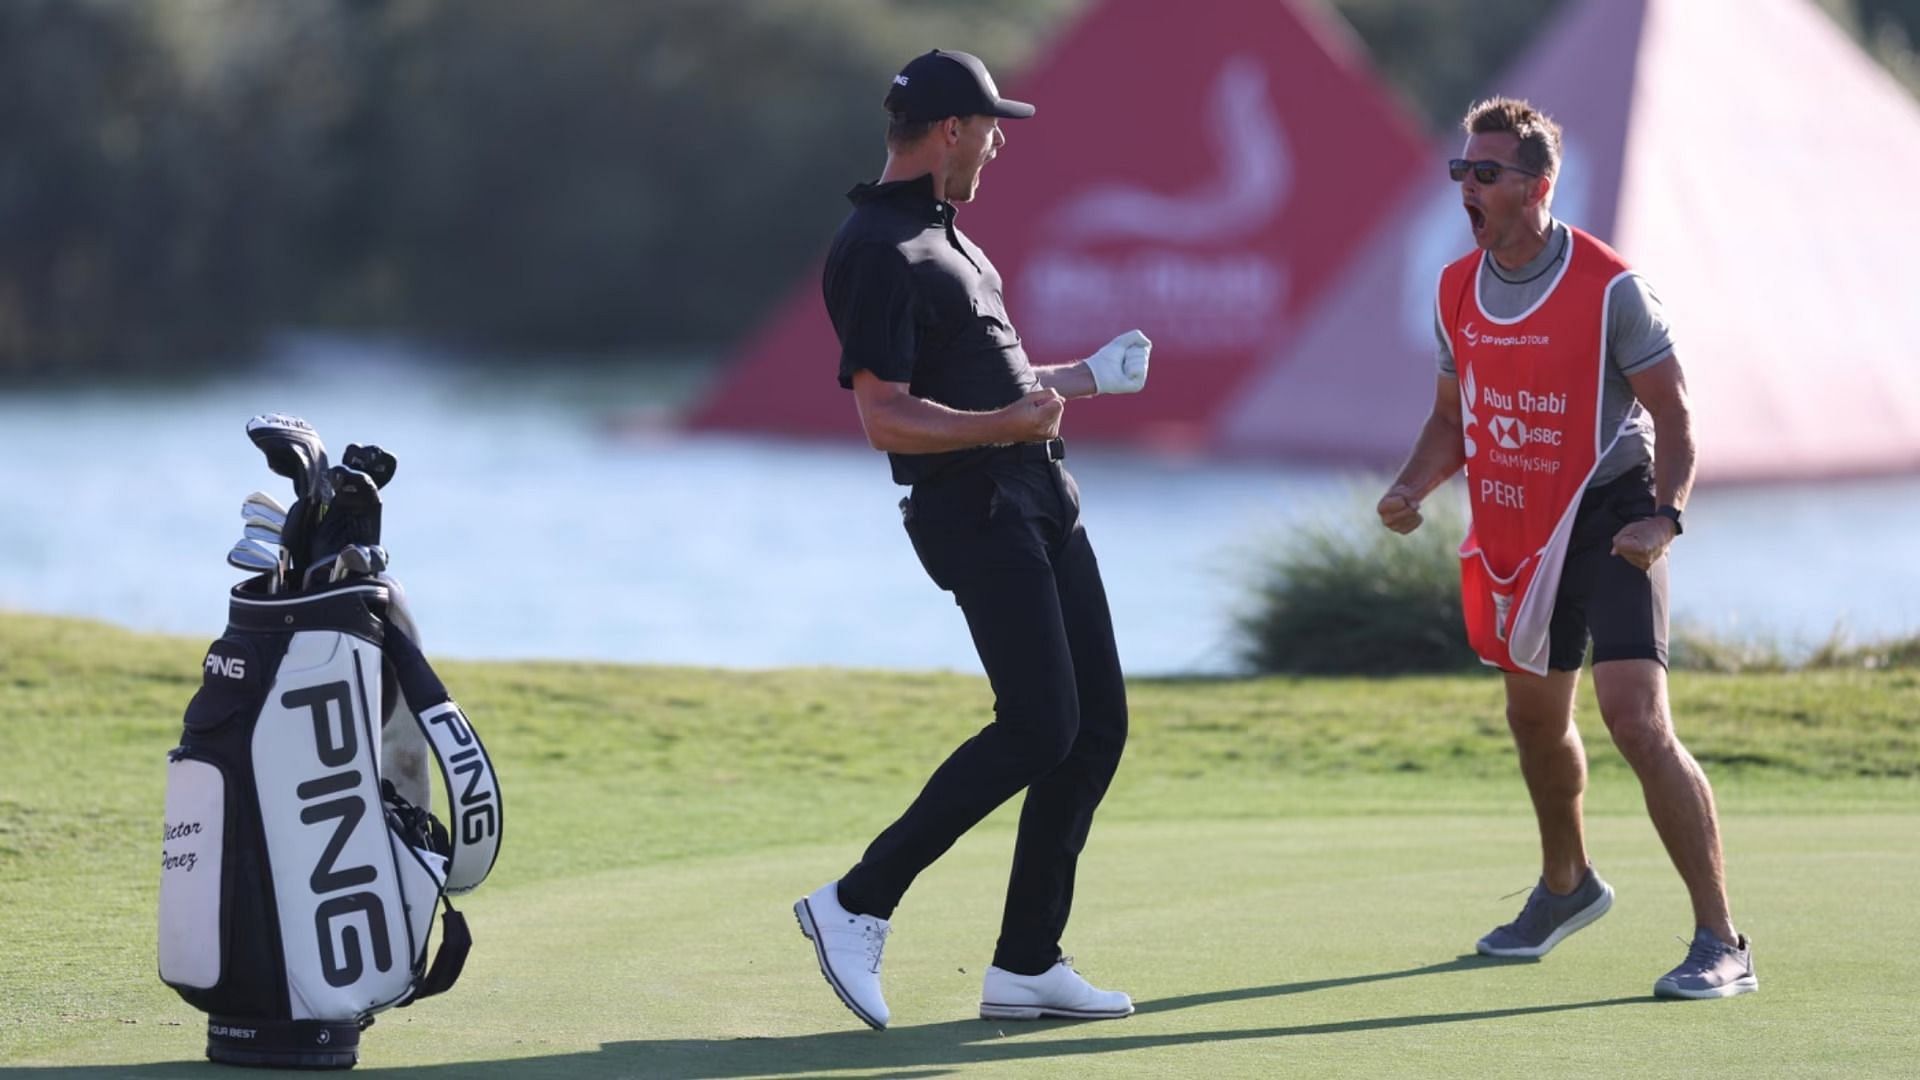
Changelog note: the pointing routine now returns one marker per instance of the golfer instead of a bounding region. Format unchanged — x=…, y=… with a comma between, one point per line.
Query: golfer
x=1560, y=394
x=943, y=386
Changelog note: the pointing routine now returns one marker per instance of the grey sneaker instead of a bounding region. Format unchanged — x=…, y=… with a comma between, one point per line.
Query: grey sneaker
x=1547, y=918
x=1712, y=969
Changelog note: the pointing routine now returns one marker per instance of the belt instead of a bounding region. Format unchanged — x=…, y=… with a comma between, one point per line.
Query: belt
x=918, y=469
x=1051, y=450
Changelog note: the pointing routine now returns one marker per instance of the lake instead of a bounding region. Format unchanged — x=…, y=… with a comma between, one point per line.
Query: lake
x=533, y=517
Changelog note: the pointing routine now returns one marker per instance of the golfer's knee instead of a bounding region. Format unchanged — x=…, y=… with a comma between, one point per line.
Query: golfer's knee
x=1532, y=726
x=1046, y=746
x=1635, y=712
x=1103, y=716
x=1102, y=741
x=1642, y=733
x=1044, y=723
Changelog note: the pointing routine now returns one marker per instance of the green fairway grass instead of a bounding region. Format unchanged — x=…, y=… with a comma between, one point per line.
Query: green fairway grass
x=1287, y=876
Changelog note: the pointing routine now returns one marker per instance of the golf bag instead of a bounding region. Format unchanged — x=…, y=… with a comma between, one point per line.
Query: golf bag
x=298, y=887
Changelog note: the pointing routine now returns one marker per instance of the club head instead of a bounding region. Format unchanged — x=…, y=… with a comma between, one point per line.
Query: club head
x=353, y=517
x=265, y=534
x=253, y=515
x=293, y=449
x=253, y=555
x=372, y=460
x=354, y=491
x=359, y=560
x=263, y=503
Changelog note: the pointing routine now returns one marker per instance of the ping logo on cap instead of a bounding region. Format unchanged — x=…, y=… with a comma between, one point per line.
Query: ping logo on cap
x=899, y=80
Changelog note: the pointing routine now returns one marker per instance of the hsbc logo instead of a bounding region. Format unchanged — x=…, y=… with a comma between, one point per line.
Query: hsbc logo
x=1508, y=432
x=1513, y=433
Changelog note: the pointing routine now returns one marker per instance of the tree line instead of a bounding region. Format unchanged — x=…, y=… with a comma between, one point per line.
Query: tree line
x=570, y=176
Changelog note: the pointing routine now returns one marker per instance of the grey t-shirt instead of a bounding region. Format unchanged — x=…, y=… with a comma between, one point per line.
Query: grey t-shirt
x=1638, y=337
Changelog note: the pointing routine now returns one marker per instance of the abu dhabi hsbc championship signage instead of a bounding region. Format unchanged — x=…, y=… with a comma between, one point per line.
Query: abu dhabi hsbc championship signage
x=1199, y=171
x=1188, y=263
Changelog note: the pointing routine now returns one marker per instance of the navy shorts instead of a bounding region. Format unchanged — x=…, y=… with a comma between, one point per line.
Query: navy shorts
x=1603, y=598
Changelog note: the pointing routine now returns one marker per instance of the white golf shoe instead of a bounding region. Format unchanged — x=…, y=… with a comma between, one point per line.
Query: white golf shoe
x=848, y=947
x=1059, y=992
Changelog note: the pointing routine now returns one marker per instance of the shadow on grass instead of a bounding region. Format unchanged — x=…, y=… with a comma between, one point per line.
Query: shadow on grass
x=920, y=1052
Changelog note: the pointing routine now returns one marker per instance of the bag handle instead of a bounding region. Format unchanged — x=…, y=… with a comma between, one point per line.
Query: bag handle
x=473, y=788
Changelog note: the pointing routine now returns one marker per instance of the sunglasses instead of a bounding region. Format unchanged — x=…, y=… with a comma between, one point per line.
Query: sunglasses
x=1485, y=172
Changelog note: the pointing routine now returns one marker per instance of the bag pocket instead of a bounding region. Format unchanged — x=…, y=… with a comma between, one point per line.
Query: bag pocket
x=420, y=847
x=192, y=889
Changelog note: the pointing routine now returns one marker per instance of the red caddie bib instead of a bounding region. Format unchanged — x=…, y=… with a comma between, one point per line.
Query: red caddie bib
x=1530, y=416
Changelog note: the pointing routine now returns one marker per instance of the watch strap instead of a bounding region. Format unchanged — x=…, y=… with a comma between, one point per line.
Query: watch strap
x=1672, y=513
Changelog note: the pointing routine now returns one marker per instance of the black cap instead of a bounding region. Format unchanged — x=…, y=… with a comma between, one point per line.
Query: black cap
x=942, y=84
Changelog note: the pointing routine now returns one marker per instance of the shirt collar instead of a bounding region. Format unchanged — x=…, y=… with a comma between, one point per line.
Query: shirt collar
x=916, y=195
x=1555, y=249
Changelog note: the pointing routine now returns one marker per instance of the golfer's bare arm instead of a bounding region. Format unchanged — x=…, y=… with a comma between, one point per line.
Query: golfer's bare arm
x=899, y=423
x=1438, y=453
x=1662, y=390
x=1068, y=380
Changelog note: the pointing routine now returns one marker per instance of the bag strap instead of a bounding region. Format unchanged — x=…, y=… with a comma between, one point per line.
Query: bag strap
x=473, y=789
x=450, y=959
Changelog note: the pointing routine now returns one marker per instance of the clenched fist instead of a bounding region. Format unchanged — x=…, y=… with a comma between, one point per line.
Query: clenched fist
x=1399, y=510
x=1036, y=417
x=1120, y=366
x=1643, y=542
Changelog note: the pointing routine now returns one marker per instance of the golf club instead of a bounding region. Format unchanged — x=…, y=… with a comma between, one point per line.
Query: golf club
x=293, y=450
x=253, y=555
x=372, y=460
x=352, y=517
x=254, y=512
x=358, y=560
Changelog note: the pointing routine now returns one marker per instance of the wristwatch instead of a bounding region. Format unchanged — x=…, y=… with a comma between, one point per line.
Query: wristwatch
x=1671, y=513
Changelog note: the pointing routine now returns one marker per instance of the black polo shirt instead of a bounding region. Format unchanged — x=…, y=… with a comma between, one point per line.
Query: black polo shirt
x=914, y=301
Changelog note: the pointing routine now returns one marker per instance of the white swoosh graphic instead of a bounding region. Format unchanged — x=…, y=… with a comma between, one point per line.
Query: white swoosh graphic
x=1468, y=392
x=1256, y=171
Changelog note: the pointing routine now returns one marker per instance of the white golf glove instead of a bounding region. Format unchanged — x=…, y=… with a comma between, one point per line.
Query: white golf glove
x=1120, y=366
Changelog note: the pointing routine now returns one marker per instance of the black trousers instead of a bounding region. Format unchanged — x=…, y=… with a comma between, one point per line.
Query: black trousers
x=1005, y=540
